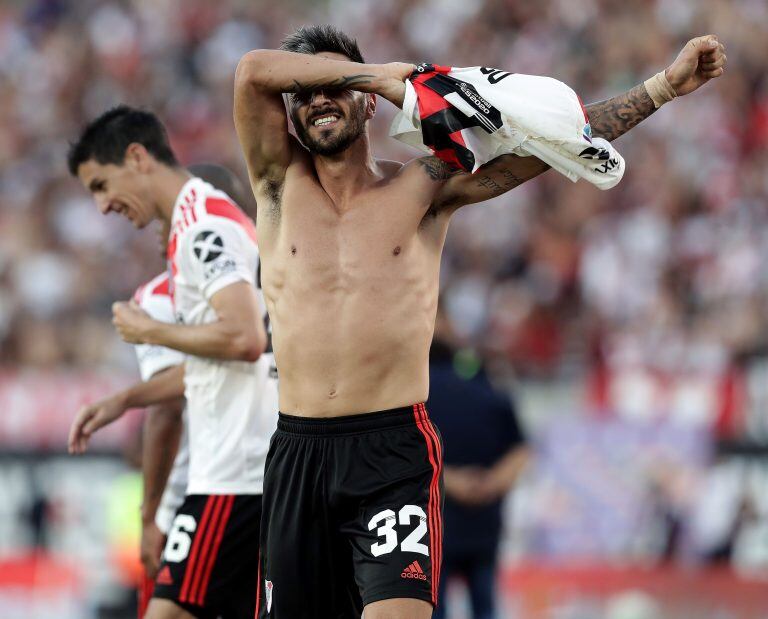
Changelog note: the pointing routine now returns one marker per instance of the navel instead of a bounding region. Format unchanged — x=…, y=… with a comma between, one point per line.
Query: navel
x=396, y=251
x=293, y=250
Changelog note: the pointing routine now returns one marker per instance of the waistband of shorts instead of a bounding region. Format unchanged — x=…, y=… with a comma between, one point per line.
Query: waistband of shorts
x=352, y=424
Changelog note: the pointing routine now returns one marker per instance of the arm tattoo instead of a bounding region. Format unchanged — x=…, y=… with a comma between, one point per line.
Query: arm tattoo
x=614, y=117
x=511, y=180
x=487, y=182
x=490, y=180
x=437, y=169
x=348, y=82
x=500, y=179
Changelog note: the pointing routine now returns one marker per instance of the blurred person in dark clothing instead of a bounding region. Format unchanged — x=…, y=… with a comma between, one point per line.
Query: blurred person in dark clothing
x=485, y=452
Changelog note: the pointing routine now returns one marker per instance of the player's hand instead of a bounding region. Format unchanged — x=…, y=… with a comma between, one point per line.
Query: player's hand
x=701, y=60
x=393, y=87
x=400, y=70
x=152, y=543
x=131, y=322
x=90, y=418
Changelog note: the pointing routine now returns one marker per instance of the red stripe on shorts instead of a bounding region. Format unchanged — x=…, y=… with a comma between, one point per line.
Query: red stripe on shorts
x=438, y=553
x=210, y=534
x=192, y=561
x=433, y=506
x=220, y=528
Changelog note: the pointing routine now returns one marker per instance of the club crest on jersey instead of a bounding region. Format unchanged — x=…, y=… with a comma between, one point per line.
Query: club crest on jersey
x=268, y=587
x=207, y=246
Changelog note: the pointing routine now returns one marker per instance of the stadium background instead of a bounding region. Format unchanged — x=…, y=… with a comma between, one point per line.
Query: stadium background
x=630, y=325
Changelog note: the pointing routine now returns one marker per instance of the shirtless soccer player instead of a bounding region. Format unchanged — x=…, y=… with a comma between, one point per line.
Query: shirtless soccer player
x=124, y=159
x=350, y=249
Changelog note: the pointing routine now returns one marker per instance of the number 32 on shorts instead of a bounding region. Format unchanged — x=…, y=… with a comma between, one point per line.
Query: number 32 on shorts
x=384, y=523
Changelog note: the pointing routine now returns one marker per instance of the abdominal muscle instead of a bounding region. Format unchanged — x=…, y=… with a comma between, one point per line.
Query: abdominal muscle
x=358, y=345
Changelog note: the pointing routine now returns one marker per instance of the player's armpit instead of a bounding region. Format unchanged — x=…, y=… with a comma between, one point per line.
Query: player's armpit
x=493, y=179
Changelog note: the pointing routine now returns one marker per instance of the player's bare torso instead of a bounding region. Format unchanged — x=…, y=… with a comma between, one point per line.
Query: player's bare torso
x=351, y=287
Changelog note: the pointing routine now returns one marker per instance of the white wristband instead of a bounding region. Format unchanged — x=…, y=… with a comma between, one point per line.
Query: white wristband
x=659, y=89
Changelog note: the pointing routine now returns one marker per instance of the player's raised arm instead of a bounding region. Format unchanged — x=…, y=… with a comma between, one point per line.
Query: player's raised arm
x=701, y=60
x=261, y=123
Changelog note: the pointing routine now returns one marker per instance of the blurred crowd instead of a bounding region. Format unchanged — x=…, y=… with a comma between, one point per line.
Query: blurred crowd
x=653, y=294
x=551, y=280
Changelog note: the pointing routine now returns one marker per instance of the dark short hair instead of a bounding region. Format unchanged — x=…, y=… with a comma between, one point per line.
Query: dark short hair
x=106, y=138
x=323, y=38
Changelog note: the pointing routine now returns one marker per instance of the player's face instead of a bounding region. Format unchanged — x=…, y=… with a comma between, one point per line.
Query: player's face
x=328, y=121
x=117, y=189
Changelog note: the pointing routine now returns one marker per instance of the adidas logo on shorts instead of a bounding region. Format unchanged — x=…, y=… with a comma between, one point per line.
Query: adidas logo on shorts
x=164, y=577
x=414, y=571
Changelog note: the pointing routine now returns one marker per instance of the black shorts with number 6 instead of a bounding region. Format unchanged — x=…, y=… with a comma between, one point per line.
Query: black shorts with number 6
x=352, y=514
x=210, y=561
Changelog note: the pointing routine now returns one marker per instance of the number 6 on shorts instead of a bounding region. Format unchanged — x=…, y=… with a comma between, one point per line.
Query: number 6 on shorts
x=179, y=541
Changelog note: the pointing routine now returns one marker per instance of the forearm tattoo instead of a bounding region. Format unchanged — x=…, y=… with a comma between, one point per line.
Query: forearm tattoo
x=614, y=117
x=348, y=82
x=437, y=169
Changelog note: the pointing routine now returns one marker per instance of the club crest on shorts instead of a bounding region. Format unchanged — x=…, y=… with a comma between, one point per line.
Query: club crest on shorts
x=268, y=586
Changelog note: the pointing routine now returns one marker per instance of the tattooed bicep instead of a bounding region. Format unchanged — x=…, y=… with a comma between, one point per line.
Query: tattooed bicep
x=437, y=169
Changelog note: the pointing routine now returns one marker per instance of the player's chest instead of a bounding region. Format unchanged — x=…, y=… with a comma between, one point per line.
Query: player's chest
x=338, y=258
x=316, y=228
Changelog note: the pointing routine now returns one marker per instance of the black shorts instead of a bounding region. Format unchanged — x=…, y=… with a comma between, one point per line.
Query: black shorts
x=352, y=514
x=210, y=562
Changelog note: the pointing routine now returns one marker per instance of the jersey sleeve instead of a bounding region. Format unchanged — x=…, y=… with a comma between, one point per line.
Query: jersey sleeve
x=219, y=254
x=153, y=359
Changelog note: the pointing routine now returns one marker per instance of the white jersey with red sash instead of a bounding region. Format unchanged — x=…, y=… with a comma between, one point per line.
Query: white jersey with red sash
x=232, y=405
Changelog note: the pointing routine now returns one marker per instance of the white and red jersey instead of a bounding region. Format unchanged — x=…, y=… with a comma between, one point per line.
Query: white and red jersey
x=232, y=405
x=154, y=298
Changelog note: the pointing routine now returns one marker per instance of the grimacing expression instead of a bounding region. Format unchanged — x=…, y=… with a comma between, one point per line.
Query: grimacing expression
x=328, y=121
x=117, y=189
